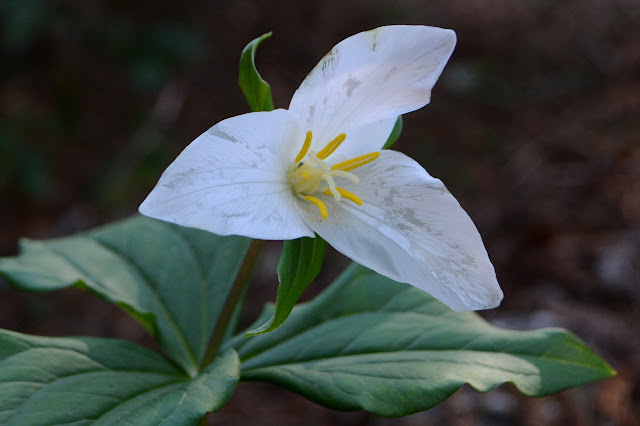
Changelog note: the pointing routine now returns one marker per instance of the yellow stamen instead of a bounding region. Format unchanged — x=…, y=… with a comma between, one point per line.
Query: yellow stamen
x=354, y=163
x=305, y=146
x=331, y=146
x=322, y=208
x=302, y=177
x=346, y=194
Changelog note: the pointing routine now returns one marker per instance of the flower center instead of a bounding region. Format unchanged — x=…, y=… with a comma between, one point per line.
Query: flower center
x=312, y=174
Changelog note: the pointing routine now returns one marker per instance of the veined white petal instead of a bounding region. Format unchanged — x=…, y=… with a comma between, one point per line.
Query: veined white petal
x=411, y=229
x=372, y=76
x=232, y=180
x=364, y=139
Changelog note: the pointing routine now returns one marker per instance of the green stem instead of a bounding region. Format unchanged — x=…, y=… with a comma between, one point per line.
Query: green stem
x=230, y=305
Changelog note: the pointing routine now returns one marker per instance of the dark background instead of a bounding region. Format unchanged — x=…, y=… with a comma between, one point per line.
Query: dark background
x=534, y=127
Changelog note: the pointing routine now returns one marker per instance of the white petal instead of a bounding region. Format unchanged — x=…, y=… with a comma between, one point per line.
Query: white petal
x=364, y=139
x=372, y=76
x=411, y=229
x=232, y=181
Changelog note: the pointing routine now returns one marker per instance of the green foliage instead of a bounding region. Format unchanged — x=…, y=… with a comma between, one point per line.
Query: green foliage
x=255, y=89
x=368, y=343
x=171, y=278
x=300, y=263
x=84, y=380
x=395, y=133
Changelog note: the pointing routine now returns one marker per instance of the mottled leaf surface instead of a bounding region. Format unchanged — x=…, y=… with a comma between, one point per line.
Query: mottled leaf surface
x=173, y=279
x=80, y=380
x=370, y=343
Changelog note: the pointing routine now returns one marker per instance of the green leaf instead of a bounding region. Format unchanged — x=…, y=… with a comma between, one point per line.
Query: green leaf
x=255, y=89
x=300, y=263
x=85, y=380
x=370, y=343
x=171, y=278
x=395, y=133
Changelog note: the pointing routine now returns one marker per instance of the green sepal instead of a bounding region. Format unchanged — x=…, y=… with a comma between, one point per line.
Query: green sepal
x=300, y=262
x=395, y=133
x=255, y=89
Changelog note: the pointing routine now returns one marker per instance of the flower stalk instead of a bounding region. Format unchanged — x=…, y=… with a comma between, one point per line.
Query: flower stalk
x=233, y=299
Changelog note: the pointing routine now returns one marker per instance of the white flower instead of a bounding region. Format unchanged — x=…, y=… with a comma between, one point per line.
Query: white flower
x=319, y=167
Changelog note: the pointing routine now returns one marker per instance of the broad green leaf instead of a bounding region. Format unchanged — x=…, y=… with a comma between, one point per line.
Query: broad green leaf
x=255, y=89
x=85, y=380
x=370, y=343
x=300, y=262
x=395, y=133
x=173, y=279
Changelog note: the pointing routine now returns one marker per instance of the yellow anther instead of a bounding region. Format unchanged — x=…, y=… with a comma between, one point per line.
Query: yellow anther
x=331, y=146
x=311, y=175
x=305, y=146
x=302, y=177
x=354, y=163
x=322, y=208
x=346, y=194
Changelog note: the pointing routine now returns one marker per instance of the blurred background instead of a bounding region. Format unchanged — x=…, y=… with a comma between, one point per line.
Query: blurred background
x=534, y=126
